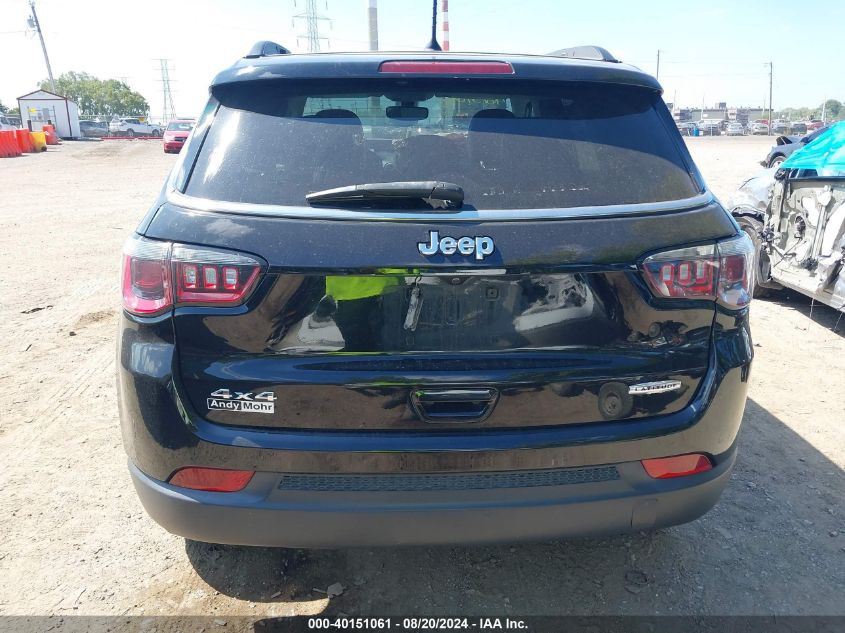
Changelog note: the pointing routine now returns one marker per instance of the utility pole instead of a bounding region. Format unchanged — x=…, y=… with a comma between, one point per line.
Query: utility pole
x=770, y=97
x=445, y=10
x=372, y=14
x=35, y=24
x=312, y=25
x=657, y=74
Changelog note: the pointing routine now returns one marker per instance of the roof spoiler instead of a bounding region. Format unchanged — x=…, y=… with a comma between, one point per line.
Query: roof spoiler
x=265, y=49
x=593, y=53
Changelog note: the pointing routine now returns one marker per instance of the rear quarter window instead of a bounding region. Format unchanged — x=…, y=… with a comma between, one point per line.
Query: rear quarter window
x=509, y=144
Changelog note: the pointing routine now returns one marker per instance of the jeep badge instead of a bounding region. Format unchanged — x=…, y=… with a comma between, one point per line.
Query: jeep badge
x=481, y=246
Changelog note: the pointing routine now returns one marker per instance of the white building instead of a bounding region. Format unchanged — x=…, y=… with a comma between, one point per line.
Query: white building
x=41, y=107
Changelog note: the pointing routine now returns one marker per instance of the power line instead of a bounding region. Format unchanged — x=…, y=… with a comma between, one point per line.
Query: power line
x=697, y=62
x=685, y=75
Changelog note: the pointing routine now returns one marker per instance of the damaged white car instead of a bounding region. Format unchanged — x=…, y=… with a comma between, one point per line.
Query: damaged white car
x=795, y=216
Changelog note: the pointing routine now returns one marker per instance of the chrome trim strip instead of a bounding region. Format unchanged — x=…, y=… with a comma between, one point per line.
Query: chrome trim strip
x=461, y=215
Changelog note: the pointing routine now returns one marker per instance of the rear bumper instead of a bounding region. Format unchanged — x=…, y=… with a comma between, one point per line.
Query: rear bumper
x=161, y=434
x=330, y=515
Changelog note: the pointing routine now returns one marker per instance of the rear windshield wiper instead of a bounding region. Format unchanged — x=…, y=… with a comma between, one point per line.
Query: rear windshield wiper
x=441, y=196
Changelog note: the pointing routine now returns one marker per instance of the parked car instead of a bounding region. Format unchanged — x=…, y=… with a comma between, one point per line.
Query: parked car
x=686, y=128
x=6, y=123
x=798, y=245
x=798, y=127
x=815, y=124
x=734, y=128
x=758, y=128
x=176, y=134
x=327, y=340
x=785, y=145
x=781, y=127
x=710, y=127
x=94, y=129
x=130, y=126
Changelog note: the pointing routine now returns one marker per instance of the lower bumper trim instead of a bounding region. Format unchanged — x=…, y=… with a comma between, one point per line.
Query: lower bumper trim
x=265, y=514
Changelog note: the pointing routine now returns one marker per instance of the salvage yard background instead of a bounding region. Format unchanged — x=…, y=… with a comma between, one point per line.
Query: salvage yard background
x=75, y=539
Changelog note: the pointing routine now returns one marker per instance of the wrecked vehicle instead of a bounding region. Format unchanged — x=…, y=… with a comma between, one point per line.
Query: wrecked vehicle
x=795, y=215
x=785, y=146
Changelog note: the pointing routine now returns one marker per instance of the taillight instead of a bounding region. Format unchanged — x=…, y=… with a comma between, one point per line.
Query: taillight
x=146, y=277
x=721, y=271
x=447, y=67
x=157, y=275
x=212, y=276
x=677, y=466
x=211, y=479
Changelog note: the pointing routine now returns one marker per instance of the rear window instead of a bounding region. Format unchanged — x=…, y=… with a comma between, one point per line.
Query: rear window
x=509, y=144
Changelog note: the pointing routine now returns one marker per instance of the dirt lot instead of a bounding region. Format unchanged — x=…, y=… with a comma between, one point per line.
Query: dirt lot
x=76, y=540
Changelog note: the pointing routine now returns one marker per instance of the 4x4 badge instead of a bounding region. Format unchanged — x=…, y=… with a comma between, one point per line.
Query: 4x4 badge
x=480, y=246
x=244, y=401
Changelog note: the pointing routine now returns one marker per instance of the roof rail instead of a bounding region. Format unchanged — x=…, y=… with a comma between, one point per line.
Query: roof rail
x=266, y=48
x=594, y=53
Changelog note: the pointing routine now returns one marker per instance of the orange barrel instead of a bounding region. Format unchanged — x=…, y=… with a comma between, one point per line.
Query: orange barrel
x=24, y=141
x=4, y=151
x=50, y=133
x=39, y=139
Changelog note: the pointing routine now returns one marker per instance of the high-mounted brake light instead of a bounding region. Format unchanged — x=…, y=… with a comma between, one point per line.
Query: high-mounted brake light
x=157, y=275
x=447, y=68
x=211, y=479
x=721, y=271
x=677, y=466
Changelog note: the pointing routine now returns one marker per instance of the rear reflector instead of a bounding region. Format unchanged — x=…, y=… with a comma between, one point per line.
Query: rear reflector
x=211, y=479
x=677, y=466
x=447, y=68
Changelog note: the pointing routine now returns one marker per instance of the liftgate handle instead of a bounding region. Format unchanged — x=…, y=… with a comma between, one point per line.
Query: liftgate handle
x=454, y=406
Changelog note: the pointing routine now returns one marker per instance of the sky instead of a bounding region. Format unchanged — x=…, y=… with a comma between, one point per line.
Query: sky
x=710, y=51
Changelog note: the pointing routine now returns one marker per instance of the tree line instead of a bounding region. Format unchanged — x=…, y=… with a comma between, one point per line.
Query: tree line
x=99, y=97
x=830, y=110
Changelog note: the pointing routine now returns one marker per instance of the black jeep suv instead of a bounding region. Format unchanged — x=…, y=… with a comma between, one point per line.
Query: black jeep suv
x=415, y=298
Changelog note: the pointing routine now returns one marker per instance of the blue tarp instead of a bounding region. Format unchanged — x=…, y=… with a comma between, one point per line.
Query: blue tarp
x=825, y=155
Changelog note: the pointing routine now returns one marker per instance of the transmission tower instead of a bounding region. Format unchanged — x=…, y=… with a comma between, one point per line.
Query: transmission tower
x=312, y=25
x=168, y=112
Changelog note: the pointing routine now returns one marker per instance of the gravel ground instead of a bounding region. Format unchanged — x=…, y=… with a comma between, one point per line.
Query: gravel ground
x=76, y=540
